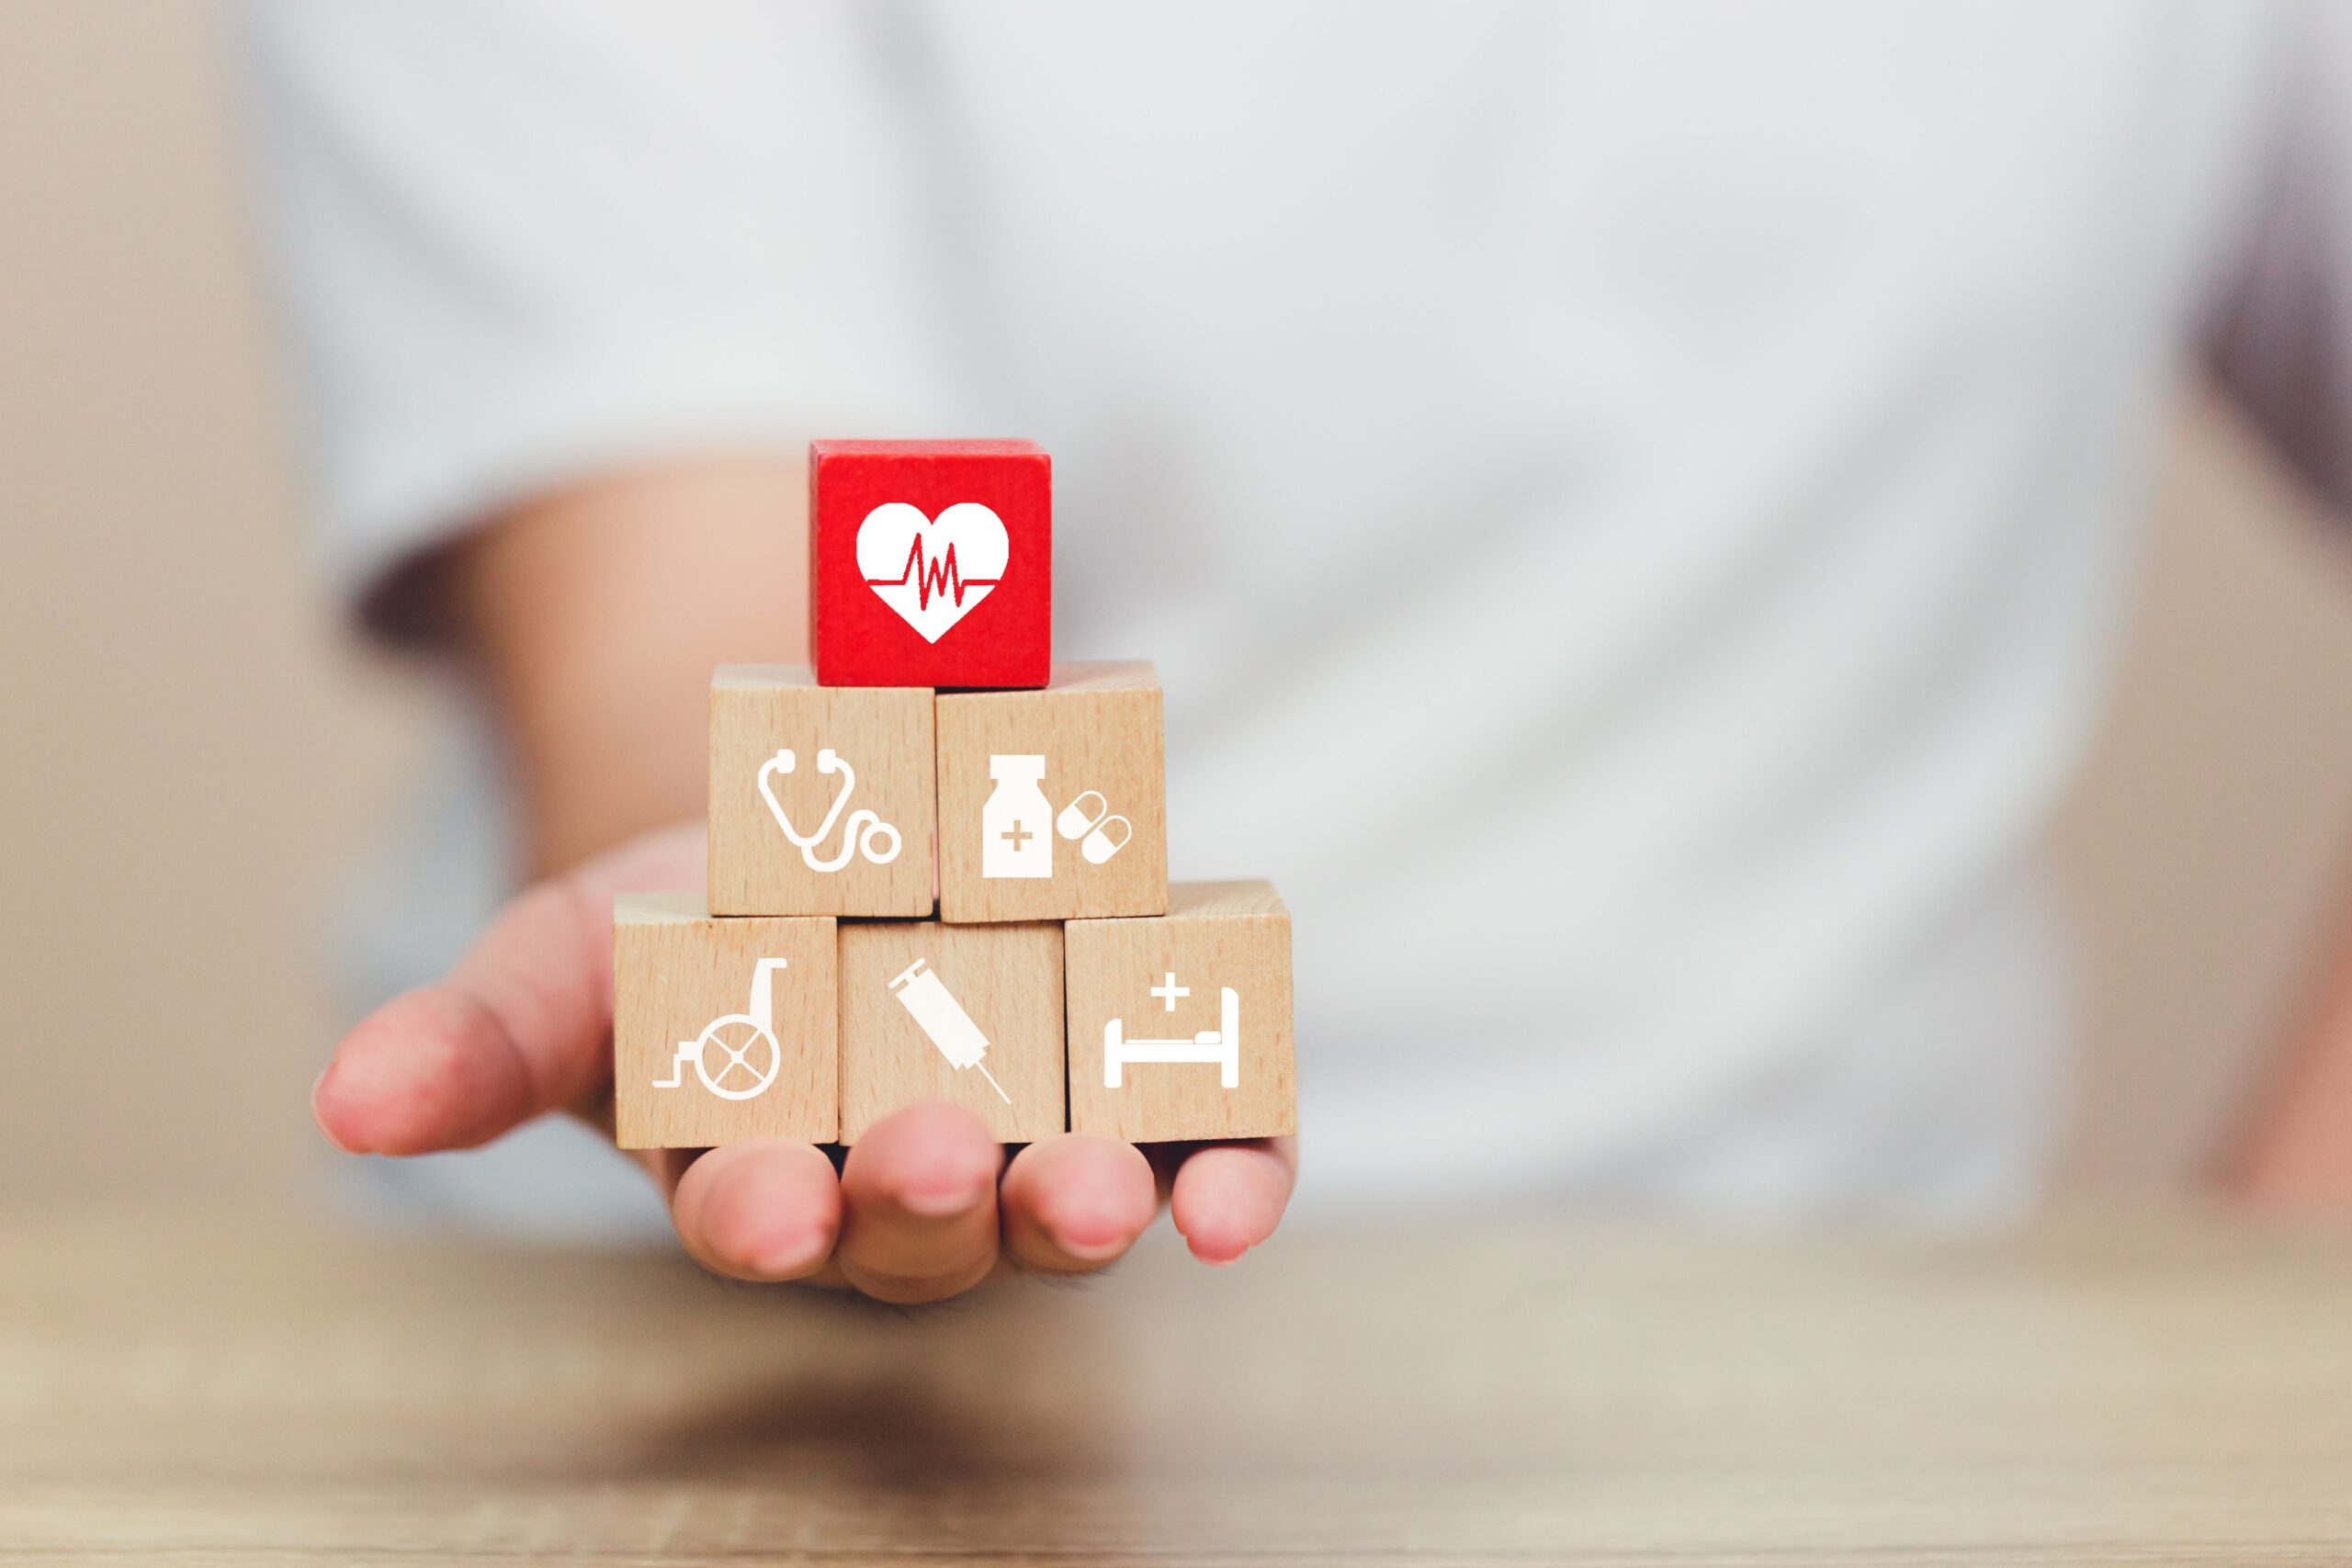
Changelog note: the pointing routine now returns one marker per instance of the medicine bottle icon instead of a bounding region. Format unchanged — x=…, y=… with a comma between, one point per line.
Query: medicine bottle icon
x=1017, y=825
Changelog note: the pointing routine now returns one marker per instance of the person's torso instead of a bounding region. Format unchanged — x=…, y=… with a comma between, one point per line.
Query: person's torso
x=1628, y=504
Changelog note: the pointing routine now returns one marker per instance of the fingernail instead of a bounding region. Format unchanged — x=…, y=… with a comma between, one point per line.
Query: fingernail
x=318, y=1089
x=940, y=1194
x=1214, y=1259
x=1088, y=1237
x=791, y=1255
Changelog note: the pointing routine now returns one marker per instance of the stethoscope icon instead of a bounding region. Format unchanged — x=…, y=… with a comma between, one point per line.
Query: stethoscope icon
x=863, y=832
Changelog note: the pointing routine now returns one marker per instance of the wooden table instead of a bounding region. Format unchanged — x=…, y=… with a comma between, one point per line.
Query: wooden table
x=2162, y=1389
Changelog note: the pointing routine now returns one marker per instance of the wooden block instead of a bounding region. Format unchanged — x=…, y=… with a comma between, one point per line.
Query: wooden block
x=931, y=563
x=821, y=800
x=722, y=1029
x=917, y=997
x=1052, y=804
x=1180, y=1026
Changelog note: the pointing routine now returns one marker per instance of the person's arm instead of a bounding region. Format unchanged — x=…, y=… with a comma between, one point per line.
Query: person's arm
x=593, y=617
x=2296, y=1150
x=2281, y=343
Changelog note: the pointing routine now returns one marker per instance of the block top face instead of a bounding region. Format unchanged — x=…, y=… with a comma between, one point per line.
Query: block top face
x=931, y=563
x=1103, y=675
x=762, y=677
x=661, y=909
x=1224, y=900
x=967, y=449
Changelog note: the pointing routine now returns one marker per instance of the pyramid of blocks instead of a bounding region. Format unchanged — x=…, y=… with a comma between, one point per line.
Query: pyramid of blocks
x=939, y=860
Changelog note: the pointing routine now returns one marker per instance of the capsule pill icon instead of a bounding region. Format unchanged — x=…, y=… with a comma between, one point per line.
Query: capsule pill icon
x=942, y=1019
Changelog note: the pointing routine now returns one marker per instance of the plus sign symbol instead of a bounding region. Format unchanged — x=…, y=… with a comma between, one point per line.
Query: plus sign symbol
x=1168, y=990
x=1009, y=846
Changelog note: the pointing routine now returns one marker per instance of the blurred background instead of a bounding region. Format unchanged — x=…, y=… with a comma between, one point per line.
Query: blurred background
x=198, y=750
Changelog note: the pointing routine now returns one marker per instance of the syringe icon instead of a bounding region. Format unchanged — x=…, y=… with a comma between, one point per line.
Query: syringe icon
x=944, y=1019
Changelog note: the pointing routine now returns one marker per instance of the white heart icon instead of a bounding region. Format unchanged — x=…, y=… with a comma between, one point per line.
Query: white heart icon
x=931, y=569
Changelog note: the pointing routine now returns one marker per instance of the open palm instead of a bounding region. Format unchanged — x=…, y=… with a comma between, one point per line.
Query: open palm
x=925, y=1206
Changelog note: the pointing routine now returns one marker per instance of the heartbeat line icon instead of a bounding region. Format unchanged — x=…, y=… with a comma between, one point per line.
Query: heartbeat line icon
x=931, y=576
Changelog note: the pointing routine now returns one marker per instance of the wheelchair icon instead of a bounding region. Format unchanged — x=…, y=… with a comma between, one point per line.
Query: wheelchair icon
x=748, y=1055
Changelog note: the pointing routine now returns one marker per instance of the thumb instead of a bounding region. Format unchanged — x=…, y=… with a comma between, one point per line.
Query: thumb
x=521, y=1026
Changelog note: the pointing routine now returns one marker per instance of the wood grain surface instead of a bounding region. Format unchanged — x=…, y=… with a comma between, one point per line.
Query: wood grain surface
x=678, y=971
x=1098, y=727
x=1007, y=979
x=2161, y=1390
x=883, y=733
x=1164, y=978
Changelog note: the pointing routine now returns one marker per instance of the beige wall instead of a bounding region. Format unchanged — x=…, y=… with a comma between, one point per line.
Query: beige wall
x=187, y=749
x=190, y=752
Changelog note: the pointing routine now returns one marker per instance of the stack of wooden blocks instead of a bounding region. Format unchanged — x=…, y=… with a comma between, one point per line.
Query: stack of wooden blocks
x=939, y=861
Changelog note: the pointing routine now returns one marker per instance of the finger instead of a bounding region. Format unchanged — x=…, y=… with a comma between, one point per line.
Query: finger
x=1075, y=1203
x=919, y=1205
x=769, y=1209
x=521, y=1026
x=1230, y=1197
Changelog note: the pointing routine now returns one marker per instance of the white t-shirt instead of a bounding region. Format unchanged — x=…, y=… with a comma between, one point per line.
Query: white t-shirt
x=1630, y=503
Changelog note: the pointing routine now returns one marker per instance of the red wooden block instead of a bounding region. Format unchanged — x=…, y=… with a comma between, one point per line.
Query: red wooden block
x=931, y=563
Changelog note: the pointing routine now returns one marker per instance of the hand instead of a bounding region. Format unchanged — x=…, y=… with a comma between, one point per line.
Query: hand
x=925, y=1205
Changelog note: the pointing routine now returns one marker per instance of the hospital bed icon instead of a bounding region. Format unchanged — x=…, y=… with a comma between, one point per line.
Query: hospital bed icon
x=1221, y=1045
